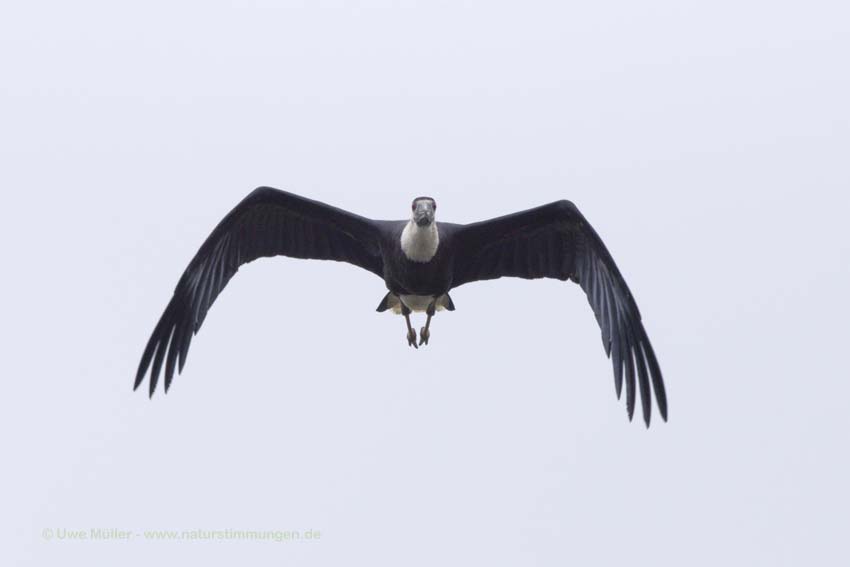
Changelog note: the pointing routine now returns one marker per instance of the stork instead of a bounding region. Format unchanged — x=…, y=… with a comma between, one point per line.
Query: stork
x=420, y=260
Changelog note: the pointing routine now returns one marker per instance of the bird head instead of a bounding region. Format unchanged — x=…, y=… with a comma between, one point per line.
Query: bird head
x=424, y=211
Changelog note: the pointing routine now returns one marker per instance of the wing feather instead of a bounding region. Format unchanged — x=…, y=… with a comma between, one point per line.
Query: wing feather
x=268, y=222
x=556, y=241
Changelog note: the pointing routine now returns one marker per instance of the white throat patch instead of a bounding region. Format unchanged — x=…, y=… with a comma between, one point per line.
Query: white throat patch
x=419, y=244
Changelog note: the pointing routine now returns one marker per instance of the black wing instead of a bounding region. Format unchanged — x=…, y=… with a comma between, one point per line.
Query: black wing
x=555, y=241
x=268, y=222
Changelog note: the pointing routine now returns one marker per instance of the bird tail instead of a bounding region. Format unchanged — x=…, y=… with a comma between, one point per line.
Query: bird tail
x=389, y=301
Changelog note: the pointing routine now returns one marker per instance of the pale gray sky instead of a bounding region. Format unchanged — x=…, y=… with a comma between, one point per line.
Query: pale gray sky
x=708, y=144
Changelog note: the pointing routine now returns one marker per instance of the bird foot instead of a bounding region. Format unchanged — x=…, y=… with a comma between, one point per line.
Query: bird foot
x=411, y=338
x=424, y=335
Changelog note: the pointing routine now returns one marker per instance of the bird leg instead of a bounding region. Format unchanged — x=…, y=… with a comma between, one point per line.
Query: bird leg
x=411, y=334
x=424, y=333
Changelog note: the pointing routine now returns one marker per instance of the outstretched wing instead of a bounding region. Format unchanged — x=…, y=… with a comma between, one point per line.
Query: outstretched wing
x=268, y=222
x=555, y=241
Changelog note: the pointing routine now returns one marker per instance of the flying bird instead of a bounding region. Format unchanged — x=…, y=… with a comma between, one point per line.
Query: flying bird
x=421, y=261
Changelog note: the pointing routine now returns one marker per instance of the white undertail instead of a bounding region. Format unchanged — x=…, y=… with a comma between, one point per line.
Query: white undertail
x=416, y=303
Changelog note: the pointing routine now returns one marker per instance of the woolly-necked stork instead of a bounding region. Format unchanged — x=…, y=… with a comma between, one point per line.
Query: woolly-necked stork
x=420, y=261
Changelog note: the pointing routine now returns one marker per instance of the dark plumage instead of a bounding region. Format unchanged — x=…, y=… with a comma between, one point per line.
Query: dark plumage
x=420, y=261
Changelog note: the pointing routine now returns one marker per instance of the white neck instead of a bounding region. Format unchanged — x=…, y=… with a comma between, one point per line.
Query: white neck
x=419, y=244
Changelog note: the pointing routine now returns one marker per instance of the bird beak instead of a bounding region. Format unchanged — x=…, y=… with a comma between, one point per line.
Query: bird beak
x=423, y=215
